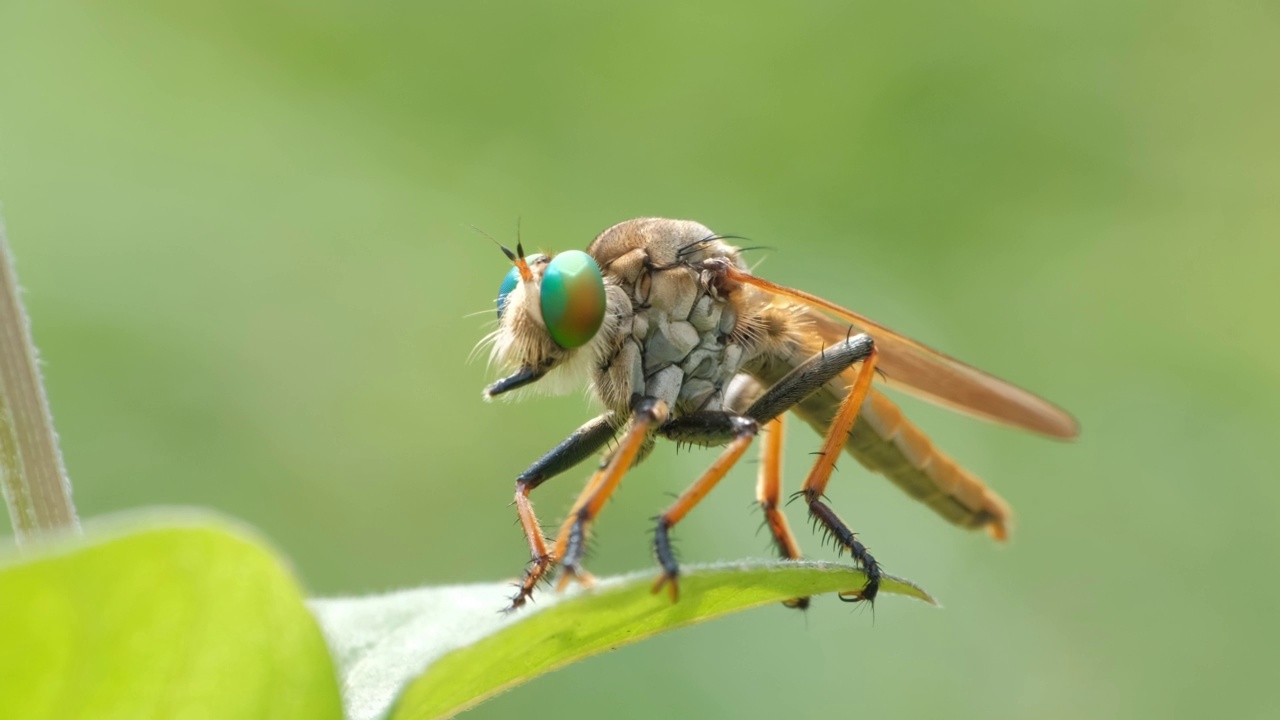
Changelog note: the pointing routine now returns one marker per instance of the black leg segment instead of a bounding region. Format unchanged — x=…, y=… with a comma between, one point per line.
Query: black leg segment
x=810, y=375
x=585, y=442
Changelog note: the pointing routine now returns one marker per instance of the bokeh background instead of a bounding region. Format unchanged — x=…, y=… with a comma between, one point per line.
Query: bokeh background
x=243, y=231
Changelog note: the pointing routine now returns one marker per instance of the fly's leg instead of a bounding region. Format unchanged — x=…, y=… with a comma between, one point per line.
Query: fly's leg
x=799, y=384
x=769, y=494
x=741, y=394
x=582, y=444
x=647, y=413
x=701, y=428
x=816, y=484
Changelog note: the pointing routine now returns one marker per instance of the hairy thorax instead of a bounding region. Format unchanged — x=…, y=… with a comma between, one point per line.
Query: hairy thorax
x=676, y=335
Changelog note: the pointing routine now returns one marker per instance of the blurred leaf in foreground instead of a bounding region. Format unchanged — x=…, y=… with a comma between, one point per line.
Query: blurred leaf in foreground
x=182, y=616
x=193, y=619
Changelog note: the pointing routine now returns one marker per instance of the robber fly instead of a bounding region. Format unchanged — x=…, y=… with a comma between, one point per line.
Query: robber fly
x=680, y=341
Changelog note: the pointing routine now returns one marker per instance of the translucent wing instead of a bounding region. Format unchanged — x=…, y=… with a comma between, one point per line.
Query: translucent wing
x=927, y=373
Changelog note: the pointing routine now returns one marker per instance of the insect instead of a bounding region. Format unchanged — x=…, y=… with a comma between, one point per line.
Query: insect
x=679, y=340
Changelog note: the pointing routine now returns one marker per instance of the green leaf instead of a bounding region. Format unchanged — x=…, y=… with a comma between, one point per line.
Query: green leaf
x=433, y=652
x=190, y=619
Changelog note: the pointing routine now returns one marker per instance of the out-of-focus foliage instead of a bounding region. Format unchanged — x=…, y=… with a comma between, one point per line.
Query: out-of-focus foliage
x=182, y=617
x=242, y=227
x=170, y=614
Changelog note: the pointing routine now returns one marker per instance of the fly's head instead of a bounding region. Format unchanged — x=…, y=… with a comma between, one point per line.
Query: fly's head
x=550, y=312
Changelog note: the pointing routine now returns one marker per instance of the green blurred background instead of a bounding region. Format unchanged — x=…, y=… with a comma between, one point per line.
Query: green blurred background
x=242, y=228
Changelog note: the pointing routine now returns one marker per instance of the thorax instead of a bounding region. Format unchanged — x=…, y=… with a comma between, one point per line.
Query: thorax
x=676, y=337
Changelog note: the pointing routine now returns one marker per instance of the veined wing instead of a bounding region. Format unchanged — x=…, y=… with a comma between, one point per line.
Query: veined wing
x=927, y=373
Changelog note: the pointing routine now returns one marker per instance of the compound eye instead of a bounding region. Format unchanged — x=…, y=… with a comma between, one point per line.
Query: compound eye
x=572, y=298
x=508, y=284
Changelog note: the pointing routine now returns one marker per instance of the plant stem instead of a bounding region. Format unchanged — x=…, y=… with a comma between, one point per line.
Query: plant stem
x=32, y=476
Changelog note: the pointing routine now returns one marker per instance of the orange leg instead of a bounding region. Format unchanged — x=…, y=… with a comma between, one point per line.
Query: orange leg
x=769, y=494
x=769, y=490
x=543, y=558
x=571, y=541
x=529, y=523
x=584, y=442
x=743, y=430
x=816, y=484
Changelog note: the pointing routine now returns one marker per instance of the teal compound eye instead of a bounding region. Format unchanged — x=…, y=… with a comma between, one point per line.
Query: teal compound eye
x=508, y=284
x=572, y=298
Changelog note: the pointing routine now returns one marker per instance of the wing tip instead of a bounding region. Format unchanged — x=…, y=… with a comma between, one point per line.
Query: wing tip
x=1061, y=425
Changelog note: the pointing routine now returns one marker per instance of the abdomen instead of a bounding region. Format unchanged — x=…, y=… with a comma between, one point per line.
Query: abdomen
x=884, y=441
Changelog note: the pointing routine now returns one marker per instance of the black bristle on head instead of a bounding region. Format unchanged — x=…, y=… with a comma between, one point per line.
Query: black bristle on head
x=697, y=245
